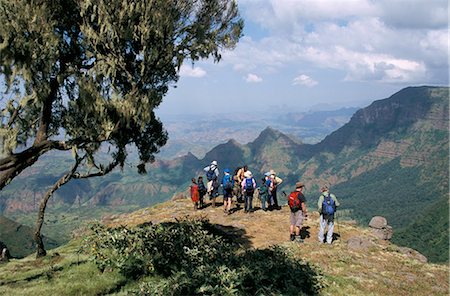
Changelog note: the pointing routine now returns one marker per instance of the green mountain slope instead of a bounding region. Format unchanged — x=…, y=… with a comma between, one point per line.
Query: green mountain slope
x=395, y=147
x=18, y=238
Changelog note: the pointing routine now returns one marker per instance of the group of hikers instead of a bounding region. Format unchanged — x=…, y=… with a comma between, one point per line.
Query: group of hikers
x=243, y=186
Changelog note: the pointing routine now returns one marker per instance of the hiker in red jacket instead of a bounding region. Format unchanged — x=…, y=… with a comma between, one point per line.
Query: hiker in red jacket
x=297, y=203
x=195, y=196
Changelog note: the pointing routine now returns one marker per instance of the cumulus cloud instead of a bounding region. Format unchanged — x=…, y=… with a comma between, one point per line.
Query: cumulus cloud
x=304, y=80
x=385, y=40
x=190, y=71
x=253, y=78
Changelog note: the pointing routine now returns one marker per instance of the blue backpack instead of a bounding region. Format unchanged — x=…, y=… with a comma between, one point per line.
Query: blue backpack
x=249, y=185
x=227, y=182
x=328, y=205
x=210, y=174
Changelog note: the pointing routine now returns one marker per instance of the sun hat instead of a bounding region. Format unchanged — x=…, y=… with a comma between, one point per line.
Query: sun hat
x=324, y=188
x=299, y=185
x=214, y=162
x=272, y=172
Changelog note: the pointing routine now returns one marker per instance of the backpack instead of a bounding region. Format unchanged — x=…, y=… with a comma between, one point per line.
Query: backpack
x=227, y=184
x=201, y=188
x=294, y=202
x=210, y=174
x=328, y=205
x=249, y=185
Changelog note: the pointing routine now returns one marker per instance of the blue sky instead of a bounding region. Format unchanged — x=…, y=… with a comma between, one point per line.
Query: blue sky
x=301, y=55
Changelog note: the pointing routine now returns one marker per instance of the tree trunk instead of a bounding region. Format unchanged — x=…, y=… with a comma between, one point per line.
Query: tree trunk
x=40, y=248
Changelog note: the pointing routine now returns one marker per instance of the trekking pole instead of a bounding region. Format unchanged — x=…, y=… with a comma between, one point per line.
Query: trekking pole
x=337, y=224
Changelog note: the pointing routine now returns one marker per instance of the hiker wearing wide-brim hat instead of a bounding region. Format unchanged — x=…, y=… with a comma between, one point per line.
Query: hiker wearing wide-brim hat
x=297, y=204
x=248, y=186
x=212, y=173
x=276, y=182
x=327, y=205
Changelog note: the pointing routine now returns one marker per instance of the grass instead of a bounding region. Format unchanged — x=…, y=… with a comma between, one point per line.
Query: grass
x=380, y=270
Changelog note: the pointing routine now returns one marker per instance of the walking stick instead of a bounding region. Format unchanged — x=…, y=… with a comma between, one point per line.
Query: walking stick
x=337, y=224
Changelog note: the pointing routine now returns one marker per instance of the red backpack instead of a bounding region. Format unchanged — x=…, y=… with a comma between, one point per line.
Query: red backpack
x=294, y=201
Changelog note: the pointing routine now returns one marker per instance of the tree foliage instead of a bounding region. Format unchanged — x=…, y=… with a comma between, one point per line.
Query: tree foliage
x=194, y=257
x=78, y=74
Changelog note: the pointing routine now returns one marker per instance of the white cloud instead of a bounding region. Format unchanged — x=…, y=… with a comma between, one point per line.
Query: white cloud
x=191, y=71
x=253, y=78
x=385, y=40
x=304, y=80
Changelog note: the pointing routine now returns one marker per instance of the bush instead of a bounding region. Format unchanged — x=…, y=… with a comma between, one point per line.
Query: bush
x=192, y=257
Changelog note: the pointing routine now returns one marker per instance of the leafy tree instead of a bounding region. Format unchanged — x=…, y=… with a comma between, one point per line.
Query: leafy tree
x=84, y=74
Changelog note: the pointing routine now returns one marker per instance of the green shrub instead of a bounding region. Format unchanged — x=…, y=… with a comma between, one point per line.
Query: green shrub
x=193, y=257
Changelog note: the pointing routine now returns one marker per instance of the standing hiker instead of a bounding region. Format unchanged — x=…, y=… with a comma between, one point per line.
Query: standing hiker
x=238, y=178
x=248, y=188
x=327, y=205
x=227, y=184
x=201, y=191
x=263, y=193
x=214, y=191
x=276, y=182
x=297, y=204
x=194, y=193
x=211, y=171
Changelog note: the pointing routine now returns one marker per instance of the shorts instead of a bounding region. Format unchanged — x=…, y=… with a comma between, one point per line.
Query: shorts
x=297, y=218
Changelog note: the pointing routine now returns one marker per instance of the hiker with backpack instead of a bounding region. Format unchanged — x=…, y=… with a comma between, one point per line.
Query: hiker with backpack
x=276, y=182
x=201, y=191
x=194, y=193
x=263, y=193
x=227, y=185
x=211, y=171
x=238, y=178
x=248, y=188
x=327, y=205
x=214, y=191
x=297, y=204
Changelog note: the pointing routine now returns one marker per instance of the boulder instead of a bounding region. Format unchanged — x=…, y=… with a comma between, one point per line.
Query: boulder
x=411, y=253
x=384, y=233
x=380, y=228
x=358, y=243
x=378, y=222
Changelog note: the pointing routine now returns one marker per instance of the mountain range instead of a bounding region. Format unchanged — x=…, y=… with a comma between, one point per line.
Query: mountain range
x=390, y=159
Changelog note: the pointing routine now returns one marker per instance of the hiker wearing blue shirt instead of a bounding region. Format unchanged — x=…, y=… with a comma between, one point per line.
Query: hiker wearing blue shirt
x=327, y=205
x=227, y=185
x=248, y=188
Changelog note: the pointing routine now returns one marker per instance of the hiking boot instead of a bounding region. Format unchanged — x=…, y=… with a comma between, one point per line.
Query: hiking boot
x=292, y=237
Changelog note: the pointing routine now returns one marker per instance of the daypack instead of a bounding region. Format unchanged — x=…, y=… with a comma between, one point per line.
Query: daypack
x=328, y=205
x=294, y=201
x=249, y=185
x=210, y=174
x=201, y=188
x=227, y=183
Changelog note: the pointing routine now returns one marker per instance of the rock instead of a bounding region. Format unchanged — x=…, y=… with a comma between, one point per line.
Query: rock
x=380, y=228
x=378, y=222
x=411, y=253
x=358, y=243
x=384, y=233
x=4, y=257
